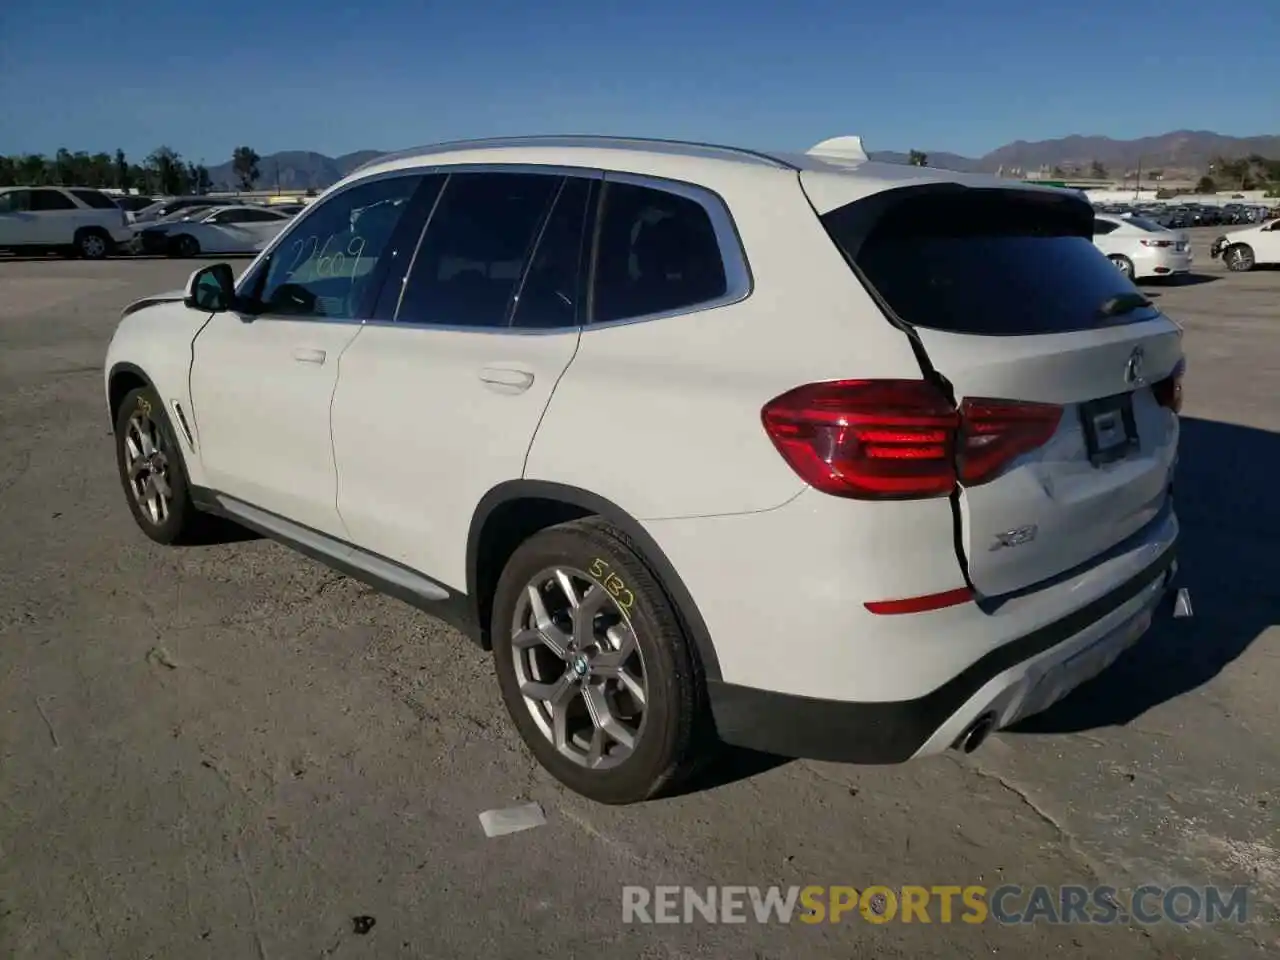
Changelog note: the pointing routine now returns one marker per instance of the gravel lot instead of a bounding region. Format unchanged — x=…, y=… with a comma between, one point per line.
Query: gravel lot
x=230, y=752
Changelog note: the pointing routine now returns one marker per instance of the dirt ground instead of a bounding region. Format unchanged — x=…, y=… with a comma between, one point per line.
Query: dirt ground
x=230, y=752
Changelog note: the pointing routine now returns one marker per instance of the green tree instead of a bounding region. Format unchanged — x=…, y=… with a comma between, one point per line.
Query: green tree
x=1097, y=170
x=1058, y=173
x=123, y=173
x=170, y=174
x=8, y=171
x=33, y=170
x=1206, y=185
x=918, y=158
x=244, y=162
x=101, y=170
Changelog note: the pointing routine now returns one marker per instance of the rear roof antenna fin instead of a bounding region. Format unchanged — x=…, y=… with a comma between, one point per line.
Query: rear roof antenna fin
x=846, y=148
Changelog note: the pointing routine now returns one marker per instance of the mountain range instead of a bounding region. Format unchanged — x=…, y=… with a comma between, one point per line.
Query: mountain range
x=1188, y=152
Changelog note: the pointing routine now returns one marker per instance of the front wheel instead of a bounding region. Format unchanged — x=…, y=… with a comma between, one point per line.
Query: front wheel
x=1123, y=264
x=151, y=469
x=184, y=246
x=1238, y=258
x=595, y=670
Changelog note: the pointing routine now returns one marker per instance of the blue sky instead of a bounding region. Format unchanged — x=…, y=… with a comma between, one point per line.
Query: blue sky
x=337, y=75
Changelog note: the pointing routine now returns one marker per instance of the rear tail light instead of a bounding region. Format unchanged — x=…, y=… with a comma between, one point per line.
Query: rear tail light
x=899, y=439
x=1157, y=243
x=1168, y=392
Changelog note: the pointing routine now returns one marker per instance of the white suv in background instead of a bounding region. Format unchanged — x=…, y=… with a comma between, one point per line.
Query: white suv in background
x=826, y=457
x=75, y=220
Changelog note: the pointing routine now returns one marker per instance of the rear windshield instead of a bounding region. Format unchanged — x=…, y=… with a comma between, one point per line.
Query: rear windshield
x=977, y=261
x=1142, y=223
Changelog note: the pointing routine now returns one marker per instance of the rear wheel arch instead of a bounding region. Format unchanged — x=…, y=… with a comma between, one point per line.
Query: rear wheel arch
x=512, y=512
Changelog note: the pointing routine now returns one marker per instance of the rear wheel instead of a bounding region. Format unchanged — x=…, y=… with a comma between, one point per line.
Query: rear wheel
x=92, y=244
x=593, y=665
x=1123, y=264
x=1238, y=257
x=184, y=245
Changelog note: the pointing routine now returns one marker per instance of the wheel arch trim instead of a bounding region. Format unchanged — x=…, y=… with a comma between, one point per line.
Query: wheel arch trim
x=651, y=553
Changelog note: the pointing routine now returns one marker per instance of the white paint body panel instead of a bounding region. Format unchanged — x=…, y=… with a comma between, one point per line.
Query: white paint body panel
x=157, y=340
x=684, y=437
x=426, y=422
x=261, y=390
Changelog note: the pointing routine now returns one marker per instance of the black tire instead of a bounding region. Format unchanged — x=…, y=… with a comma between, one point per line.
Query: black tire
x=92, y=243
x=184, y=245
x=675, y=734
x=182, y=522
x=1123, y=264
x=1239, y=257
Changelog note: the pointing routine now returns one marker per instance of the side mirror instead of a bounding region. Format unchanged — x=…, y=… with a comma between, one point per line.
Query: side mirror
x=212, y=289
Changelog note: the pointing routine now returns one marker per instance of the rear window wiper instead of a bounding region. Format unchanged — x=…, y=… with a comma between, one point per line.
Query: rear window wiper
x=1122, y=303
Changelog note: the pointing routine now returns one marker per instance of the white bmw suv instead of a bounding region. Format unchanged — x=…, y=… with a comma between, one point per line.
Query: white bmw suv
x=821, y=456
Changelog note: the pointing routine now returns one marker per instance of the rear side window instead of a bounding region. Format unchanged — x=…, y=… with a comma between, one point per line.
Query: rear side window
x=977, y=261
x=92, y=198
x=657, y=253
x=475, y=249
x=1102, y=227
x=550, y=294
x=51, y=200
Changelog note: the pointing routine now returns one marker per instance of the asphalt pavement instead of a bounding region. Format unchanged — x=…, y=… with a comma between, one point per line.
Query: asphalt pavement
x=229, y=751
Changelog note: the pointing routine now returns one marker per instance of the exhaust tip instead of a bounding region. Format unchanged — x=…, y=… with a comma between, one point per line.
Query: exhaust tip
x=982, y=728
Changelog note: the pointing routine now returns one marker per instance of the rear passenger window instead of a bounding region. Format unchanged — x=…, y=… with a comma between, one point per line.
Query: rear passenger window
x=51, y=200
x=474, y=252
x=551, y=290
x=1102, y=227
x=657, y=253
x=92, y=198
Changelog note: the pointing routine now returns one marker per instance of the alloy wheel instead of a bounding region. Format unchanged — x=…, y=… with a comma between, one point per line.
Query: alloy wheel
x=1241, y=259
x=579, y=668
x=147, y=467
x=93, y=246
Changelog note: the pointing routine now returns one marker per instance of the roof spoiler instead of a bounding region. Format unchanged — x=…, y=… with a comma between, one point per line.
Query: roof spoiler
x=846, y=148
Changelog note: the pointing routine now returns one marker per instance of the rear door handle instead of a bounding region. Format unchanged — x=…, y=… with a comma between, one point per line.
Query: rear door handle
x=507, y=379
x=307, y=355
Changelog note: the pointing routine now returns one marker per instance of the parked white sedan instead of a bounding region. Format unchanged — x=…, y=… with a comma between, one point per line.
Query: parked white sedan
x=1141, y=248
x=1242, y=250
x=229, y=229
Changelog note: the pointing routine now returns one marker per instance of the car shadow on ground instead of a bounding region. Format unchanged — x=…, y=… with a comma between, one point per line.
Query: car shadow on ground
x=1229, y=560
x=1181, y=280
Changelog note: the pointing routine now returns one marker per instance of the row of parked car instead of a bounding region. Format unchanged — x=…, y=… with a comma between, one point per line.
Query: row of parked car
x=1184, y=215
x=92, y=224
x=1147, y=247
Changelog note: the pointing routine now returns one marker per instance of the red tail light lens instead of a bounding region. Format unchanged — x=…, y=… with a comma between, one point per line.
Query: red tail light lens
x=899, y=439
x=996, y=431
x=1157, y=243
x=1168, y=391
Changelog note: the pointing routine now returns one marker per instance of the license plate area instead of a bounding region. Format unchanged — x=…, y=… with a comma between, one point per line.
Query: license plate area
x=1110, y=430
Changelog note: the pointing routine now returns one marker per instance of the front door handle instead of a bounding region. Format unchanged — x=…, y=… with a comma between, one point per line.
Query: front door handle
x=307, y=355
x=506, y=379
